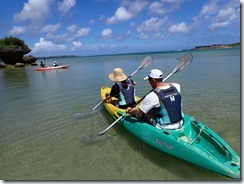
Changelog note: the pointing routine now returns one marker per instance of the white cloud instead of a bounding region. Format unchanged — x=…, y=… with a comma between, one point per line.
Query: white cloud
x=34, y=11
x=218, y=24
x=179, y=28
x=73, y=28
x=66, y=5
x=128, y=10
x=135, y=7
x=121, y=14
x=59, y=38
x=143, y=36
x=50, y=28
x=123, y=36
x=106, y=32
x=152, y=25
x=77, y=44
x=17, y=30
x=92, y=21
x=102, y=47
x=209, y=8
x=164, y=6
x=224, y=18
x=219, y=15
x=48, y=46
x=229, y=12
x=83, y=32
x=155, y=36
x=157, y=8
x=158, y=36
x=102, y=17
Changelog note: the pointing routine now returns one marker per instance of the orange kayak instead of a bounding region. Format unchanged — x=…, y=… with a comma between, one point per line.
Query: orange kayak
x=52, y=68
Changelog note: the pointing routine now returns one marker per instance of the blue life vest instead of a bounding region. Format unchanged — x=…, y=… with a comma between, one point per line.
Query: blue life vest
x=127, y=93
x=169, y=111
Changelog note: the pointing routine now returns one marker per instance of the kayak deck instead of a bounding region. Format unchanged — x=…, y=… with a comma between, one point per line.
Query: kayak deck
x=193, y=142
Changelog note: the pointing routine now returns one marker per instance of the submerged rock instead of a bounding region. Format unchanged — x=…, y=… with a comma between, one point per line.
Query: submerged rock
x=29, y=59
x=19, y=65
x=3, y=65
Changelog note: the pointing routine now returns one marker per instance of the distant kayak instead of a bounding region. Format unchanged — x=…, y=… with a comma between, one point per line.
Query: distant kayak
x=52, y=68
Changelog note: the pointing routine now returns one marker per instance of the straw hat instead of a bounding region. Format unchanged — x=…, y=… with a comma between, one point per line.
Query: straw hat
x=117, y=75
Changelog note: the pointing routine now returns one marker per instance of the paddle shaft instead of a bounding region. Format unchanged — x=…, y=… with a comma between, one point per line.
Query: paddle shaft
x=104, y=131
x=168, y=76
x=134, y=72
x=97, y=105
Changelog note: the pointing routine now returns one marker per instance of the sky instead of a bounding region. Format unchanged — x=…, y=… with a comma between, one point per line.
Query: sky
x=97, y=27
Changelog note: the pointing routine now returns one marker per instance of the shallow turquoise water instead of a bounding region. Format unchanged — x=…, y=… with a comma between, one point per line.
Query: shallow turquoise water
x=43, y=115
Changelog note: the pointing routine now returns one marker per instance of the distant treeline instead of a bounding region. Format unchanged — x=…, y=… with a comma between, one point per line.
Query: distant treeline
x=234, y=44
x=218, y=46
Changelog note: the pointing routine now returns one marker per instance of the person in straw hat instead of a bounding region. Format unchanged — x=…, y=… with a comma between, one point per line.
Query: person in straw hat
x=123, y=90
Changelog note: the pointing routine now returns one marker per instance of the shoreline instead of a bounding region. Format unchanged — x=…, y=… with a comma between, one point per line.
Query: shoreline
x=217, y=46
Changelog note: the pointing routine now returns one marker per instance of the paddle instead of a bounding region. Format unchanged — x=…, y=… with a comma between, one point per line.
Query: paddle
x=145, y=62
x=183, y=63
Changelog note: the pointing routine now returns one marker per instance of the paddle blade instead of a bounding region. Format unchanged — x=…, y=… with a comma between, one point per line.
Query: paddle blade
x=183, y=63
x=146, y=61
x=87, y=114
x=89, y=138
x=93, y=136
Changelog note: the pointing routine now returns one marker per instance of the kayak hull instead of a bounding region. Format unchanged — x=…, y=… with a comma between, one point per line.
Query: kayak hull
x=53, y=68
x=193, y=142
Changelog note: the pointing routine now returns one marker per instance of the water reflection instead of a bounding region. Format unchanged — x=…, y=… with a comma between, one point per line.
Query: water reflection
x=14, y=77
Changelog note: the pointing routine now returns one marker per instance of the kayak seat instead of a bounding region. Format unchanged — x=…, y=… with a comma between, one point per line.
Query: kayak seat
x=180, y=135
x=187, y=133
x=184, y=138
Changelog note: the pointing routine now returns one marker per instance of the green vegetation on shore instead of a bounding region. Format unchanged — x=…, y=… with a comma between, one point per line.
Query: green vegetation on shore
x=217, y=46
x=8, y=42
x=234, y=44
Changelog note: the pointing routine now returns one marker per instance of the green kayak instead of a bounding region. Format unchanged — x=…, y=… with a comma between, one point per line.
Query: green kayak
x=193, y=142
